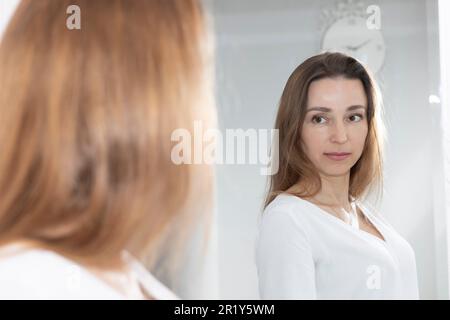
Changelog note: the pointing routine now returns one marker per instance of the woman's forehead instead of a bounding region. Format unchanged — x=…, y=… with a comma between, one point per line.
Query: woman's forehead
x=336, y=93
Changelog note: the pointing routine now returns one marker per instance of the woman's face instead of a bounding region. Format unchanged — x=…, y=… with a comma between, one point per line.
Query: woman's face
x=335, y=126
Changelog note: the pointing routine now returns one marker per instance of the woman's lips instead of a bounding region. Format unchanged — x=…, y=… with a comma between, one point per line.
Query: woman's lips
x=337, y=156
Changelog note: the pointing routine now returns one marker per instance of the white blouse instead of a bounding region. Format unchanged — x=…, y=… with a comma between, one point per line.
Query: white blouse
x=31, y=273
x=303, y=252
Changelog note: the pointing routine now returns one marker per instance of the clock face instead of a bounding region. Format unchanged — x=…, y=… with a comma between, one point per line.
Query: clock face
x=351, y=36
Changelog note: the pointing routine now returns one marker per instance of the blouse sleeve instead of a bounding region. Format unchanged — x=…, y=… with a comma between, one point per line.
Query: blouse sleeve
x=284, y=258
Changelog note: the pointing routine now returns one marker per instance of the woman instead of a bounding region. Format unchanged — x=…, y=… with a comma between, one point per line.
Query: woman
x=317, y=239
x=88, y=191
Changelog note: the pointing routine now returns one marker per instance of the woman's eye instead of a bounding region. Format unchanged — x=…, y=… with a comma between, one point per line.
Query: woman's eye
x=318, y=119
x=356, y=117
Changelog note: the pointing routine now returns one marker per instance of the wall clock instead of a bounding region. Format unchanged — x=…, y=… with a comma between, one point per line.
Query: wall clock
x=349, y=34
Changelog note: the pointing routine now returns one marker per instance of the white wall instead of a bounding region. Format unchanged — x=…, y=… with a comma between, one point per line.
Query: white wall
x=259, y=45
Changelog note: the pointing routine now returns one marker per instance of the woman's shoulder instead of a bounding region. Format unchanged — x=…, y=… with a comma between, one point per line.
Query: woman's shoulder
x=283, y=225
x=35, y=273
x=286, y=211
x=286, y=204
x=285, y=201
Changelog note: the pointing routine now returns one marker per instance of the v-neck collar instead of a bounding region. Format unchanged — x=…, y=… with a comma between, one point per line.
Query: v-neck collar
x=338, y=221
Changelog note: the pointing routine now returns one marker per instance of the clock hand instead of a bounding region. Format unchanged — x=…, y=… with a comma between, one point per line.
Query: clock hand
x=363, y=44
x=354, y=48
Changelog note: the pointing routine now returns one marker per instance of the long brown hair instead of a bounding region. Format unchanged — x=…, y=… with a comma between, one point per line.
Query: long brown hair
x=294, y=165
x=86, y=118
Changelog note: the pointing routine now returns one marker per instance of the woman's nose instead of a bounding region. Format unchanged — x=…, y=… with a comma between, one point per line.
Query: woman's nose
x=339, y=133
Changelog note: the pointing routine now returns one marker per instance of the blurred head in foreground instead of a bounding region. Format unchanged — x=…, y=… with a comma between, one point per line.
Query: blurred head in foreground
x=86, y=122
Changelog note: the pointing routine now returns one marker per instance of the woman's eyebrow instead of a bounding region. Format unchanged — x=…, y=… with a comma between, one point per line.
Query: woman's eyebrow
x=325, y=109
x=354, y=107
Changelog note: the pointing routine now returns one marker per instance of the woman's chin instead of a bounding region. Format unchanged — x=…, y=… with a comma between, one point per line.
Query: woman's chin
x=336, y=172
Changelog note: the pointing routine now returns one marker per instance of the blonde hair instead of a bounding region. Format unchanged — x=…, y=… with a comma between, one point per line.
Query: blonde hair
x=294, y=165
x=86, y=123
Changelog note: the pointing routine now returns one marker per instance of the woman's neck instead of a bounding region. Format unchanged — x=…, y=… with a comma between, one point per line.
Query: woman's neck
x=334, y=191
